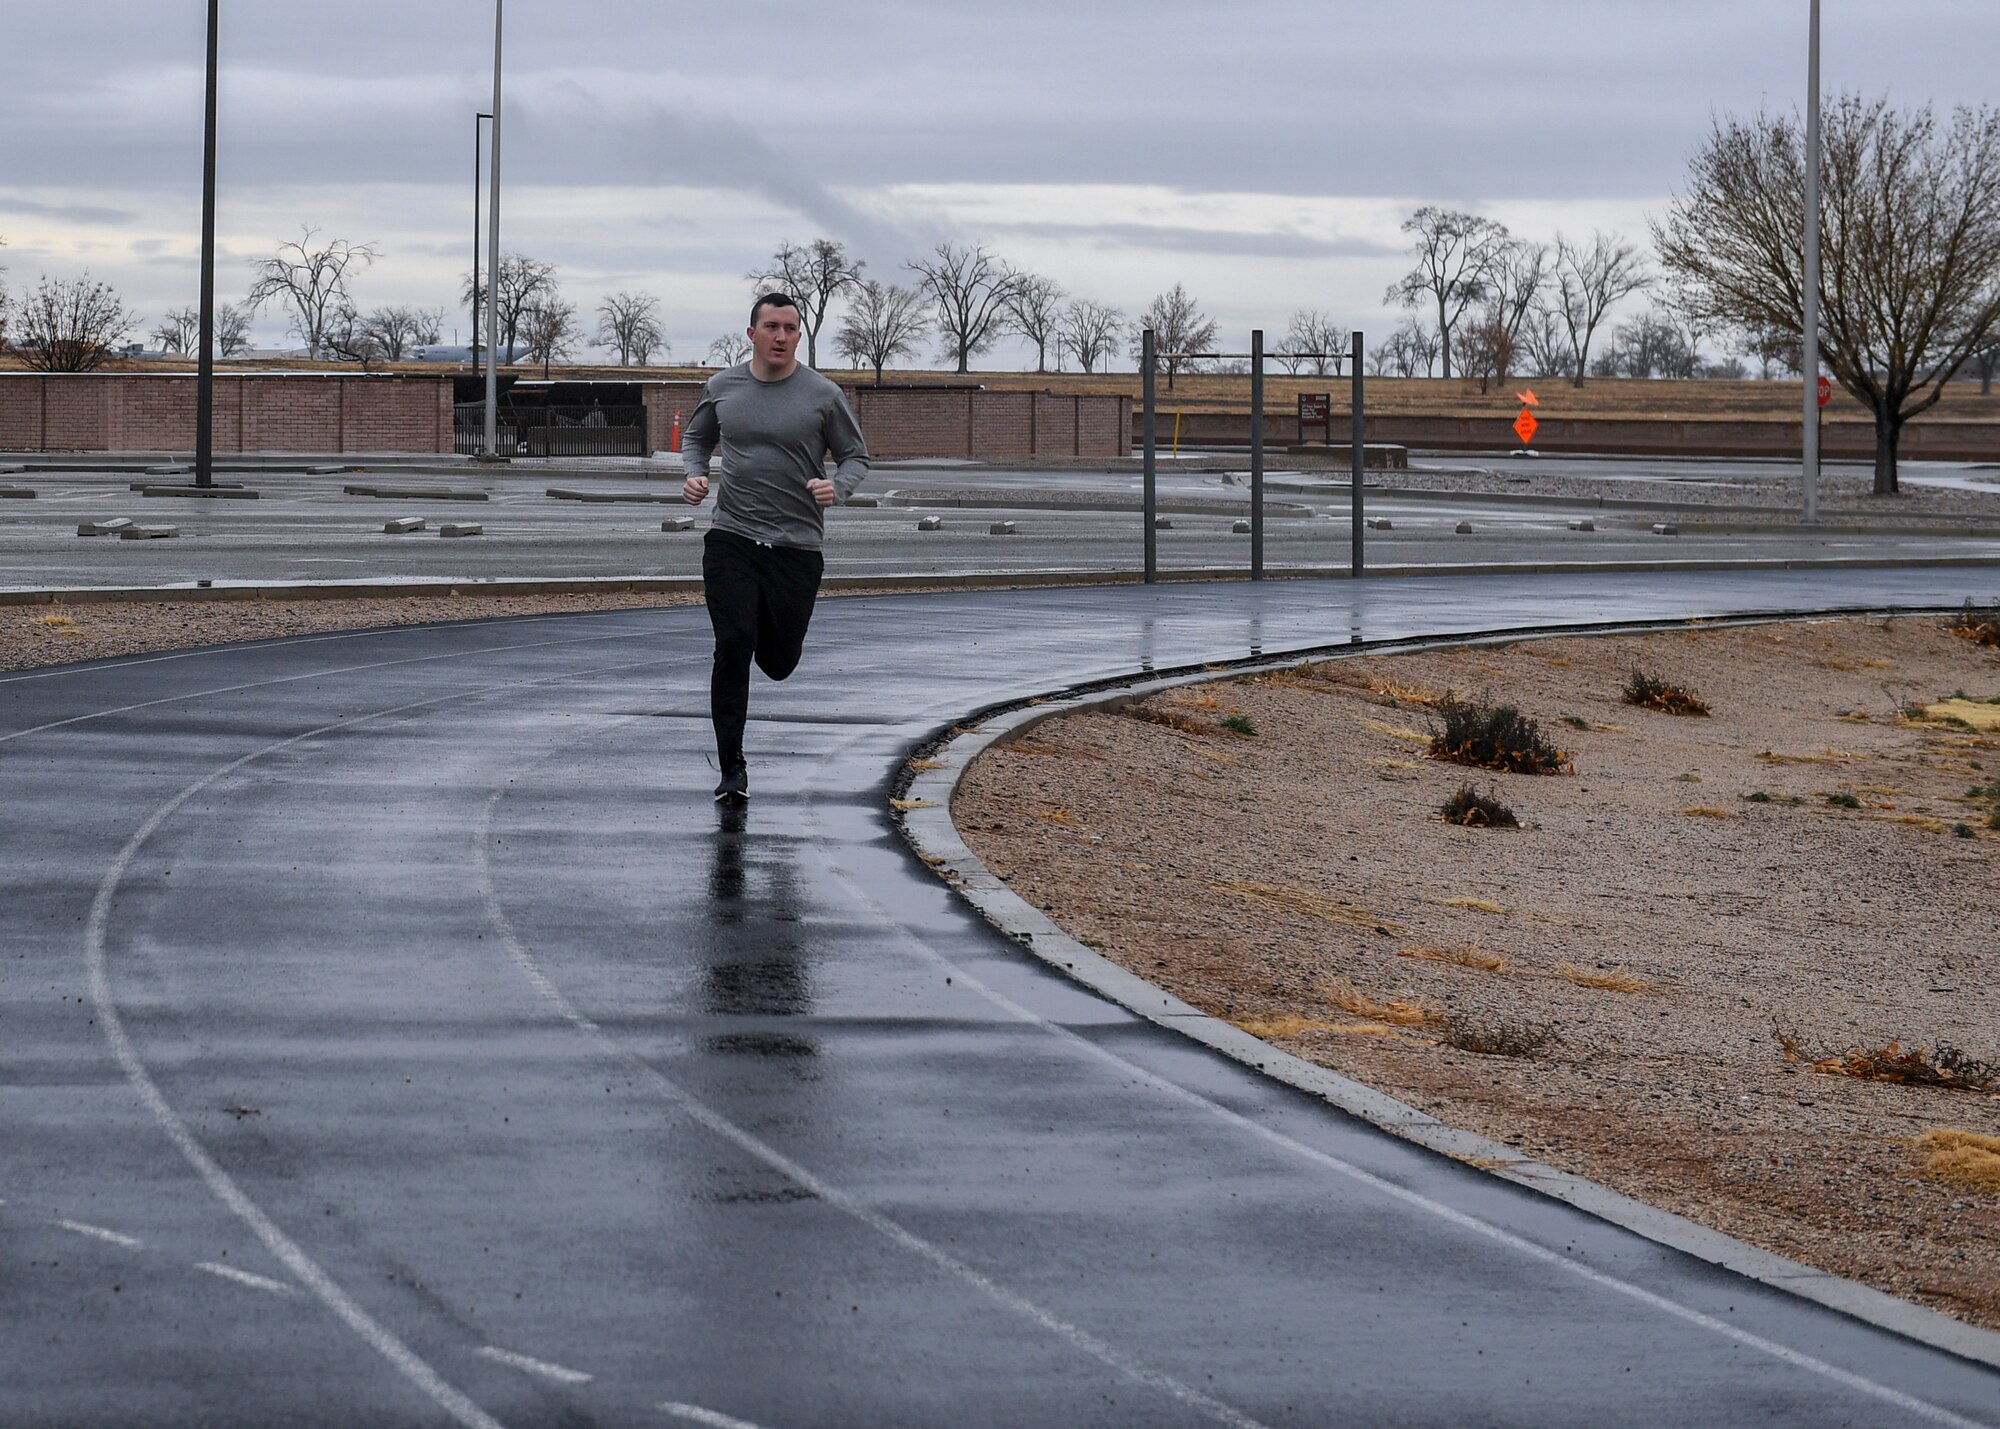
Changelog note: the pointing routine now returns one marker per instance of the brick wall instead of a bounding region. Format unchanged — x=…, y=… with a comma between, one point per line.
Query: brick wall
x=145, y=412
x=311, y=413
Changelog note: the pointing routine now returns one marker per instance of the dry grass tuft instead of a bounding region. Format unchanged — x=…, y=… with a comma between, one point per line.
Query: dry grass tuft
x=1979, y=626
x=1350, y=999
x=1065, y=817
x=1964, y=1158
x=55, y=620
x=1835, y=663
x=1395, y=731
x=1404, y=694
x=921, y=765
x=1707, y=811
x=1830, y=756
x=1465, y=955
x=1280, y=1024
x=1047, y=751
x=1944, y=1066
x=1922, y=821
x=1615, y=980
x=1165, y=717
x=1649, y=691
x=1304, y=900
x=1469, y=808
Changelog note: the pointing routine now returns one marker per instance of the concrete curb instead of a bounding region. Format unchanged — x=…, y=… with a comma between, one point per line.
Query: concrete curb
x=944, y=580
x=928, y=827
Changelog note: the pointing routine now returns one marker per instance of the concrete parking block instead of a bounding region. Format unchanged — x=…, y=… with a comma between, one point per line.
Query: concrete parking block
x=1239, y=528
x=930, y=523
x=18, y=493
x=678, y=523
x=1001, y=528
x=325, y=470
x=857, y=500
x=568, y=493
x=1163, y=523
x=104, y=528
x=11, y=469
x=147, y=533
x=461, y=528
x=1586, y=524
x=403, y=525
x=1377, y=523
x=1665, y=528
x=415, y=493
x=1463, y=528
x=173, y=470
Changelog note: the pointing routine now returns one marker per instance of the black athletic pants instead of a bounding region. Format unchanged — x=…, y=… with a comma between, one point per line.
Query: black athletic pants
x=760, y=600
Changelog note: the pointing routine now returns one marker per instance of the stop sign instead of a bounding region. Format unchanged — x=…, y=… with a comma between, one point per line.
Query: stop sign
x=1825, y=391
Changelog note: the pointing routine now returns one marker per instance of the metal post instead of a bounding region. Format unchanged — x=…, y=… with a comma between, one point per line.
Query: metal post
x=477, y=119
x=1355, y=480
x=1257, y=454
x=1810, y=362
x=1146, y=364
x=204, y=394
x=491, y=450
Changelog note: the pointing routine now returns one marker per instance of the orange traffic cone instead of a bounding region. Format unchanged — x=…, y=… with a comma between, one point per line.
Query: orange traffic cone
x=677, y=433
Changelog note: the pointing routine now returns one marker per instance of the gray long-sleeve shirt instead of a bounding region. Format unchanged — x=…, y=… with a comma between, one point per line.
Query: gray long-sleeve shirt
x=775, y=437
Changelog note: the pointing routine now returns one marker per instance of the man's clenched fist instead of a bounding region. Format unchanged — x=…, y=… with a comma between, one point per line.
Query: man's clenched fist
x=694, y=490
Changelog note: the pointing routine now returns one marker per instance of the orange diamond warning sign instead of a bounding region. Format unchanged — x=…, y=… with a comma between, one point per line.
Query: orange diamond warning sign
x=1525, y=425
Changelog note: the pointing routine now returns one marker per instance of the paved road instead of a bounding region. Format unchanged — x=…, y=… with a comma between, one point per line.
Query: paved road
x=396, y=1036
x=304, y=529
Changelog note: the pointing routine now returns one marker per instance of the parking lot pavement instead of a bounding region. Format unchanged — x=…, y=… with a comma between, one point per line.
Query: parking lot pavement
x=306, y=528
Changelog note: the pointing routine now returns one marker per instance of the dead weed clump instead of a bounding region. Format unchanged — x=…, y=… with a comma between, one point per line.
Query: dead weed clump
x=1610, y=980
x=1497, y=1036
x=1166, y=718
x=1964, y=1158
x=1982, y=627
x=1471, y=809
x=1490, y=736
x=1649, y=691
x=1943, y=1066
x=1304, y=900
x=1397, y=1012
x=1465, y=955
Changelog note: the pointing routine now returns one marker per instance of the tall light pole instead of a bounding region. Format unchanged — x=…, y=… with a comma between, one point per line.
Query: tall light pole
x=477, y=119
x=491, y=451
x=1809, y=361
x=204, y=393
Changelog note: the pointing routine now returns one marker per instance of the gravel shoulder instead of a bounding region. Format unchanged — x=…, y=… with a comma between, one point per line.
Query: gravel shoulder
x=1808, y=863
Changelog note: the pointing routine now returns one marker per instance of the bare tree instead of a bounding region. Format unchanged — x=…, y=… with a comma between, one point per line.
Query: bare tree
x=179, y=330
x=1320, y=344
x=1090, y=332
x=884, y=322
x=1410, y=351
x=1034, y=310
x=969, y=290
x=70, y=326
x=523, y=281
x=1544, y=343
x=729, y=349
x=1986, y=361
x=813, y=275
x=6, y=305
x=1455, y=257
x=348, y=337
x=1652, y=344
x=630, y=322
x=548, y=325
x=394, y=331
x=1181, y=331
x=1910, y=277
x=310, y=280
x=1784, y=351
x=1585, y=283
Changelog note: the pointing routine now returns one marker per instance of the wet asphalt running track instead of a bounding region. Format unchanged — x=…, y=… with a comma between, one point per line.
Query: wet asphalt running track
x=395, y=1034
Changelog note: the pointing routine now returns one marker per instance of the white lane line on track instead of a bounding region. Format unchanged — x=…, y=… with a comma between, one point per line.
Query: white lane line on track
x=244, y=1277
x=289, y=680
x=1075, y=1336
x=219, y=1182
x=1936, y=1414
x=556, y=1372
x=100, y=1233
x=695, y=1414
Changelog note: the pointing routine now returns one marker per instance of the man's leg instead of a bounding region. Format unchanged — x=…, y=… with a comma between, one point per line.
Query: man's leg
x=790, y=587
x=732, y=592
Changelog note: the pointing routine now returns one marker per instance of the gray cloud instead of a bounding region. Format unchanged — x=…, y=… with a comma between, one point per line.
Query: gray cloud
x=72, y=212
x=1219, y=241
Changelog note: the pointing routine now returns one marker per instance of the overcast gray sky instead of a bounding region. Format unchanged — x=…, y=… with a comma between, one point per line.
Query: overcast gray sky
x=1261, y=151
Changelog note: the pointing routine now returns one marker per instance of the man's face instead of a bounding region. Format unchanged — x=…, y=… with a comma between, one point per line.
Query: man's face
x=775, y=336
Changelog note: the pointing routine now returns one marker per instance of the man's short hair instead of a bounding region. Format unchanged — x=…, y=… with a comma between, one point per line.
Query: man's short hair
x=771, y=300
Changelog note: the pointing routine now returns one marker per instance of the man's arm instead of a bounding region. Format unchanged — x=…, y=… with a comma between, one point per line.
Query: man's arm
x=698, y=439
x=846, y=445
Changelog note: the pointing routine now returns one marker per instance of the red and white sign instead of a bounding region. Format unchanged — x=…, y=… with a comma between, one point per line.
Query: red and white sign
x=1825, y=391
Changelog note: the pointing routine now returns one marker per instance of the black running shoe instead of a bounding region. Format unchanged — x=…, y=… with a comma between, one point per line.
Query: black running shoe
x=735, y=786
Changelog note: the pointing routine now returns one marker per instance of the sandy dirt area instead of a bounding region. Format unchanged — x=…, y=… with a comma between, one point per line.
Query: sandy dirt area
x=1708, y=923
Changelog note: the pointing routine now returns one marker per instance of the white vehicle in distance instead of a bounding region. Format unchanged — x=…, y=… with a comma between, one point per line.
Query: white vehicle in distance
x=460, y=352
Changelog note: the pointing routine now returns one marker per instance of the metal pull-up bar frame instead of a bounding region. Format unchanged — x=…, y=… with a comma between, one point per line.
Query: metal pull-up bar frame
x=1150, y=358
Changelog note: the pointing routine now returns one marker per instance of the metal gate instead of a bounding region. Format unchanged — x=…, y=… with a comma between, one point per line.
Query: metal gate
x=545, y=430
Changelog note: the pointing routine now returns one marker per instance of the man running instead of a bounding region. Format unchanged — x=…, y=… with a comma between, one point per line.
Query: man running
x=760, y=562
